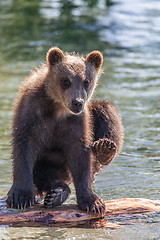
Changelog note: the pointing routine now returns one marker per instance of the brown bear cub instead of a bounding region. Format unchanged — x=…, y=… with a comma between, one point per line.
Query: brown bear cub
x=60, y=135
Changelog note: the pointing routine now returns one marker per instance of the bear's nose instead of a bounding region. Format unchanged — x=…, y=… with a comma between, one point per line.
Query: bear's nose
x=77, y=104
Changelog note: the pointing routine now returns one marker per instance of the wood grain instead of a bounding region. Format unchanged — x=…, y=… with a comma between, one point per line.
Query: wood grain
x=70, y=215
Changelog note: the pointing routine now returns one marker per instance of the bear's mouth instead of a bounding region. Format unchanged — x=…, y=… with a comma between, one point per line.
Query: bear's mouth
x=74, y=111
x=77, y=112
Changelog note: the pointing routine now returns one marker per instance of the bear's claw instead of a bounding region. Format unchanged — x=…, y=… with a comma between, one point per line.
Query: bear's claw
x=105, y=150
x=98, y=207
x=92, y=204
x=19, y=198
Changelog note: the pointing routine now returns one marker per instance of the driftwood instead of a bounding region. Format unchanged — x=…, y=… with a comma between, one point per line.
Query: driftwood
x=70, y=215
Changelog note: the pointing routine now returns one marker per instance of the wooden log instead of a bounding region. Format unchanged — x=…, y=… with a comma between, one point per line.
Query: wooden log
x=70, y=215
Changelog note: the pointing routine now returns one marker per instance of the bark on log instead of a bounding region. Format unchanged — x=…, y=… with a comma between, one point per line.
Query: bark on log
x=70, y=215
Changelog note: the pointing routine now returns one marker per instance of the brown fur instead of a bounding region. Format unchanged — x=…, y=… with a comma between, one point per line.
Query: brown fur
x=59, y=135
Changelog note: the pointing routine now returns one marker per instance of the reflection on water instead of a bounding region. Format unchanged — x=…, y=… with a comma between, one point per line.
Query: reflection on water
x=130, y=232
x=129, y=36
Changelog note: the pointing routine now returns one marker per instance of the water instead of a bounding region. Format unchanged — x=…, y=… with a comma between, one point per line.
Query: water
x=128, y=34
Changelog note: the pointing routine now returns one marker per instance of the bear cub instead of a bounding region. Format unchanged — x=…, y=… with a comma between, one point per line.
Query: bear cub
x=60, y=135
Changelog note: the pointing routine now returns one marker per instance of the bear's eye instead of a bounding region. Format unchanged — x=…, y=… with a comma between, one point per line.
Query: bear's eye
x=66, y=83
x=86, y=84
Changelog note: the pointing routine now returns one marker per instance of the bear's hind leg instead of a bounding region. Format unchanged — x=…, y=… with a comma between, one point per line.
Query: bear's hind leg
x=46, y=180
x=108, y=131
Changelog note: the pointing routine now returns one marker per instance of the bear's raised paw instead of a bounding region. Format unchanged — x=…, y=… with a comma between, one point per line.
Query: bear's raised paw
x=105, y=150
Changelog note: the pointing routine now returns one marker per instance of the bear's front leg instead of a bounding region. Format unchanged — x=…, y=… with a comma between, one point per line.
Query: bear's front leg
x=21, y=193
x=79, y=163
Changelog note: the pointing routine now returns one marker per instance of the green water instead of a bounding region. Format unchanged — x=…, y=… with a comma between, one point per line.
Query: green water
x=128, y=34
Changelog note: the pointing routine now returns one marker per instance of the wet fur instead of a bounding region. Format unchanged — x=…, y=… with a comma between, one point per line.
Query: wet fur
x=52, y=146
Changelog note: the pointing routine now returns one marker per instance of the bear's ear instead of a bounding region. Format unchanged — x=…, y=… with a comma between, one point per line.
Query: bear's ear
x=95, y=58
x=54, y=56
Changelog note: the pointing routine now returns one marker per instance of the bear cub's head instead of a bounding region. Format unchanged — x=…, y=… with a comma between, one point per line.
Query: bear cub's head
x=72, y=79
